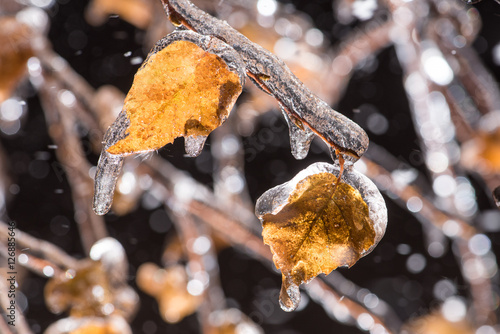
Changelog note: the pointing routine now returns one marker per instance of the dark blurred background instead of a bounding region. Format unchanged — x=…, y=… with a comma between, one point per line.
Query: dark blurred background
x=41, y=203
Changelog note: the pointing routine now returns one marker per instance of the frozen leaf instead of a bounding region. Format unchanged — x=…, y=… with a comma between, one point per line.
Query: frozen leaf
x=169, y=287
x=84, y=292
x=88, y=291
x=186, y=88
x=90, y=325
x=314, y=226
x=232, y=321
x=182, y=89
x=15, y=38
x=300, y=137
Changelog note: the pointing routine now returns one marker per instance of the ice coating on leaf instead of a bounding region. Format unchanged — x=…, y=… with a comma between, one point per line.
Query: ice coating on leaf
x=112, y=256
x=314, y=225
x=289, y=295
x=194, y=145
x=108, y=171
x=300, y=139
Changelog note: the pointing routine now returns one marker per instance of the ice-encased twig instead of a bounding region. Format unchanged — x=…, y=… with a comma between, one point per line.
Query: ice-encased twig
x=272, y=75
x=108, y=170
x=300, y=139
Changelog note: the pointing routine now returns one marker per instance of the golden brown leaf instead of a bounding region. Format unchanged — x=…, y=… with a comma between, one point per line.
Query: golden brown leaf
x=181, y=90
x=315, y=227
x=85, y=292
x=15, y=38
x=169, y=287
x=113, y=324
x=232, y=321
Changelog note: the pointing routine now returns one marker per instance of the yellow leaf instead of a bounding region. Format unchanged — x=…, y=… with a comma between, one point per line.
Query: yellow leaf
x=169, y=287
x=15, y=38
x=181, y=90
x=314, y=227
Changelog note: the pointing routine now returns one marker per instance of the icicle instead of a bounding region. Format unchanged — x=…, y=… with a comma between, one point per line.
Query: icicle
x=496, y=196
x=194, y=145
x=108, y=170
x=300, y=139
x=289, y=295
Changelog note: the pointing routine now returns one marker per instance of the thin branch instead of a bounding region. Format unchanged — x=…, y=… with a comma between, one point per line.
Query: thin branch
x=72, y=158
x=46, y=249
x=481, y=289
x=356, y=48
x=21, y=325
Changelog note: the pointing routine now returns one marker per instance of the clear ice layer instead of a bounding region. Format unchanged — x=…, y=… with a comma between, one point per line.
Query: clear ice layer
x=289, y=295
x=108, y=170
x=300, y=139
x=194, y=145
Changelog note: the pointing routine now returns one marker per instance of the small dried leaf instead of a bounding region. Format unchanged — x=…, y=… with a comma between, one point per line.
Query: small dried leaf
x=15, y=38
x=74, y=291
x=232, y=321
x=87, y=292
x=181, y=90
x=314, y=227
x=169, y=287
x=90, y=325
x=482, y=154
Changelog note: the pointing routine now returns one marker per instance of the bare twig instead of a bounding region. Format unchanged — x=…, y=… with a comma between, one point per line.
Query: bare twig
x=356, y=48
x=21, y=325
x=481, y=289
x=46, y=249
x=71, y=156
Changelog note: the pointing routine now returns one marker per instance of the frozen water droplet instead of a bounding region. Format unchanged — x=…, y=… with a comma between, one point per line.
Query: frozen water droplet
x=496, y=196
x=300, y=139
x=108, y=170
x=289, y=295
x=194, y=145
